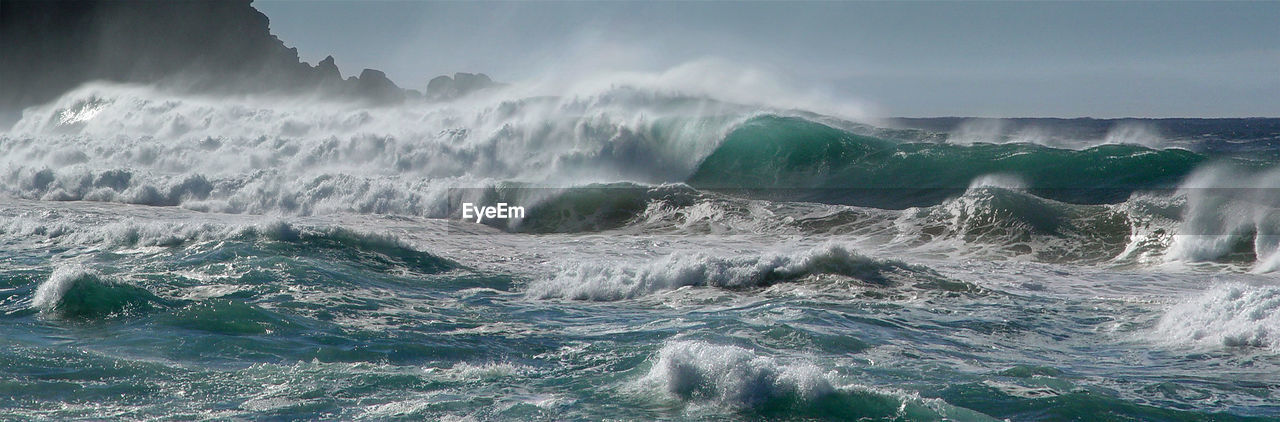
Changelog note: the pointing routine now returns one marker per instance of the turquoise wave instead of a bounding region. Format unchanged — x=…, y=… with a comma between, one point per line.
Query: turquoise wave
x=796, y=159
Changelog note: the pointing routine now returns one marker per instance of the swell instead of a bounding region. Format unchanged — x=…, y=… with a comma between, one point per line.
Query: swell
x=574, y=209
x=369, y=251
x=796, y=159
x=220, y=279
x=995, y=217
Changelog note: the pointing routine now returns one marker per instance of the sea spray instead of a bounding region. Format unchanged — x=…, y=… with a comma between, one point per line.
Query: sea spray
x=1230, y=211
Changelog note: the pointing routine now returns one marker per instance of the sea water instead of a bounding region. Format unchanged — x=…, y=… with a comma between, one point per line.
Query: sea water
x=177, y=256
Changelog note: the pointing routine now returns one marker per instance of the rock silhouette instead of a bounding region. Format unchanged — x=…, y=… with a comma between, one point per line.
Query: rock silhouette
x=445, y=88
x=215, y=46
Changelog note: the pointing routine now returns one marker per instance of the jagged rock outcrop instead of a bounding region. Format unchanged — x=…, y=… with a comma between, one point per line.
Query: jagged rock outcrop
x=220, y=46
x=445, y=88
x=328, y=70
x=374, y=85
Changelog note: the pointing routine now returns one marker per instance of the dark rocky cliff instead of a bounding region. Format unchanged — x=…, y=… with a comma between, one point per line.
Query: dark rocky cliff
x=225, y=46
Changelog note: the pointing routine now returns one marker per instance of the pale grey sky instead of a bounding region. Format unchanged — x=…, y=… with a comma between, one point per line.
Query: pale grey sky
x=999, y=59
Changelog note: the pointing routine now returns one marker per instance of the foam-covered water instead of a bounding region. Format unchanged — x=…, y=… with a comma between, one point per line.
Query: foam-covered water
x=682, y=257
x=1230, y=315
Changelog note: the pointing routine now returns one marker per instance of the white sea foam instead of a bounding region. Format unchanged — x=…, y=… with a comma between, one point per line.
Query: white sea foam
x=731, y=375
x=138, y=145
x=698, y=372
x=613, y=281
x=1232, y=315
x=464, y=371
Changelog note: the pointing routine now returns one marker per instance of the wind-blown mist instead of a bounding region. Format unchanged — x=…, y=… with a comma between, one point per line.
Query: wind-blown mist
x=318, y=155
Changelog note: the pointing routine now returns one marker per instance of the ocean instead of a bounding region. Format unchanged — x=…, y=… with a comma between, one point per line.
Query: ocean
x=169, y=256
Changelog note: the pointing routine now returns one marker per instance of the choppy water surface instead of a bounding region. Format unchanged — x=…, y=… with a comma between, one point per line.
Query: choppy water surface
x=682, y=258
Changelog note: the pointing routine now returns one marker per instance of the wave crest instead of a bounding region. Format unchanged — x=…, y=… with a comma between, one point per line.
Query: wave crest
x=692, y=370
x=606, y=281
x=74, y=292
x=798, y=159
x=739, y=379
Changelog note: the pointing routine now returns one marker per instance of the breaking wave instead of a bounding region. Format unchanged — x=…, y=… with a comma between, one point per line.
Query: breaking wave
x=605, y=281
x=1233, y=316
x=624, y=158
x=77, y=293
x=134, y=145
x=738, y=378
x=1232, y=214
